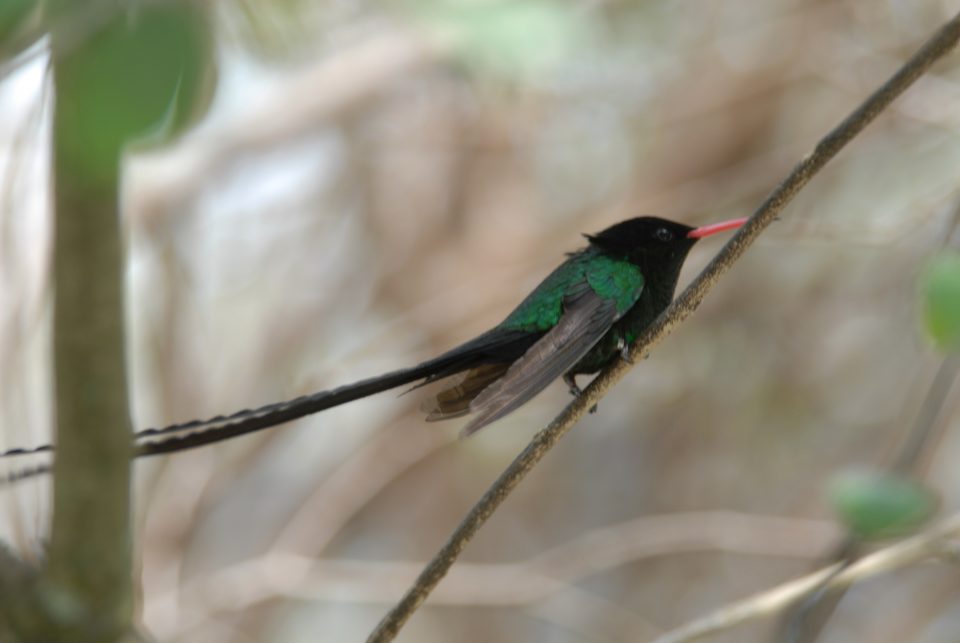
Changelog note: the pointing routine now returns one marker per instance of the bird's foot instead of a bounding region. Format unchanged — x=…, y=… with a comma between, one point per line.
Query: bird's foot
x=575, y=390
x=624, y=349
x=571, y=383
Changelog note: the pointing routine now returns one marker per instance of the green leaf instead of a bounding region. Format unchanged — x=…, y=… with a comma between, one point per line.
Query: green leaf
x=145, y=72
x=16, y=19
x=12, y=15
x=875, y=505
x=940, y=293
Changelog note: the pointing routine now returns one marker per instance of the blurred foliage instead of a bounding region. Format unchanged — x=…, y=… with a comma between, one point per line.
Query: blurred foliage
x=940, y=293
x=13, y=13
x=877, y=505
x=16, y=18
x=508, y=40
x=145, y=72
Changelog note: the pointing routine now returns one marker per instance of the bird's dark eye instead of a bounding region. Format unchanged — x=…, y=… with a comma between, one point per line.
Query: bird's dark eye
x=662, y=234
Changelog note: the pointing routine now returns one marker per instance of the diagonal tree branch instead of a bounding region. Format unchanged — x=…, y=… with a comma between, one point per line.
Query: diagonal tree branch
x=944, y=40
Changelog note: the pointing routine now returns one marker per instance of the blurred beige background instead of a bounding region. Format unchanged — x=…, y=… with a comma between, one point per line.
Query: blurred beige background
x=376, y=182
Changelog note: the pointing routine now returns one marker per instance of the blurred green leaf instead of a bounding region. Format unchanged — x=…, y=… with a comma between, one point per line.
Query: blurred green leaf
x=514, y=40
x=875, y=505
x=14, y=16
x=940, y=292
x=147, y=71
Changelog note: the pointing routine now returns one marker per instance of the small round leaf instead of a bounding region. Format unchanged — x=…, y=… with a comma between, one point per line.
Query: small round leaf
x=940, y=297
x=875, y=505
x=143, y=73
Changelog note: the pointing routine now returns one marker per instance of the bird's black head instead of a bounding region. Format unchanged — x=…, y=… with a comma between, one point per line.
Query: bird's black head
x=659, y=247
x=647, y=241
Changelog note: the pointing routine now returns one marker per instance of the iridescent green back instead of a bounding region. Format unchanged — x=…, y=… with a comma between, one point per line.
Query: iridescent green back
x=614, y=279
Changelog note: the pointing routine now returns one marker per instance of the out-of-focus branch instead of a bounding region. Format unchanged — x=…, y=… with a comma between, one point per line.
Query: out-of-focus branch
x=938, y=541
x=936, y=47
x=19, y=618
x=90, y=541
x=555, y=570
x=86, y=590
x=924, y=433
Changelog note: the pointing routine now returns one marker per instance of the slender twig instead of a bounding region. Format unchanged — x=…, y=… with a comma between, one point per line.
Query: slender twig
x=938, y=541
x=933, y=404
x=935, y=48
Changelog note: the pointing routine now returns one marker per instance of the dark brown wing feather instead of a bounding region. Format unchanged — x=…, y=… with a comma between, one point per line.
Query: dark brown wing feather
x=454, y=400
x=586, y=318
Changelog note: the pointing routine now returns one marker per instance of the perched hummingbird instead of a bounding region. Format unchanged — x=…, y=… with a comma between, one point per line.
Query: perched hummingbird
x=583, y=316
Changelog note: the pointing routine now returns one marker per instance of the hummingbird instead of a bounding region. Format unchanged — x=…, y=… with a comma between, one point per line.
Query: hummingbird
x=583, y=316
